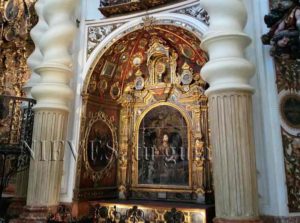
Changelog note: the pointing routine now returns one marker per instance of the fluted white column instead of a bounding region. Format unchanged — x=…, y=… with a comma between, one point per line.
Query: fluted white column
x=230, y=105
x=53, y=95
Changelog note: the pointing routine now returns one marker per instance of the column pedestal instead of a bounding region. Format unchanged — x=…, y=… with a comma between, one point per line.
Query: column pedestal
x=33, y=215
x=17, y=204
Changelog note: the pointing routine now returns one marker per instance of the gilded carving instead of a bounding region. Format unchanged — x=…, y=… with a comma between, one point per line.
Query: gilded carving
x=160, y=79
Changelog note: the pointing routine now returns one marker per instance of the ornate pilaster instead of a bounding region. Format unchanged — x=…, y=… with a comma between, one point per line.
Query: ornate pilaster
x=230, y=105
x=51, y=111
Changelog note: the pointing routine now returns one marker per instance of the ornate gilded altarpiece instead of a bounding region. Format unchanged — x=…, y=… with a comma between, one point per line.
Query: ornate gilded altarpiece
x=144, y=105
x=283, y=37
x=17, y=17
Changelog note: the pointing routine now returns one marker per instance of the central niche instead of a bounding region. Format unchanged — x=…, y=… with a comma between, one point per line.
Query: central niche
x=163, y=148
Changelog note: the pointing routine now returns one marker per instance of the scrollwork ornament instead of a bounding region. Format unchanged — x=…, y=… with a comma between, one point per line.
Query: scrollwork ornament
x=97, y=33
x=197, y=12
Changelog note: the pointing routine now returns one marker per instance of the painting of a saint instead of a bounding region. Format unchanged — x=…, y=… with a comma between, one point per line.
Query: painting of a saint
x=163, y=148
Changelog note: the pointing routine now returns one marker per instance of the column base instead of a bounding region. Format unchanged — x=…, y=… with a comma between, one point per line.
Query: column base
x=223, y=220
x=33, y=215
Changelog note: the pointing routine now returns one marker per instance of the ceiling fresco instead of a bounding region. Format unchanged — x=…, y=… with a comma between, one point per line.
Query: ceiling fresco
x=127, y=58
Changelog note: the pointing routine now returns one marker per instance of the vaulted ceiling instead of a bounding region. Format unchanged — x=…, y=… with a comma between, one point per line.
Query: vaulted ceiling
x=118, y=64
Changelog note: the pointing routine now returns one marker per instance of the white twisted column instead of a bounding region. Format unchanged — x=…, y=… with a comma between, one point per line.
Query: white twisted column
x=36, y=58
x=51, y=111
x=230, y=104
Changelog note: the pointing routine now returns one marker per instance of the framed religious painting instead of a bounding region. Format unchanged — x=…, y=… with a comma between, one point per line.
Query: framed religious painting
x=163, y=166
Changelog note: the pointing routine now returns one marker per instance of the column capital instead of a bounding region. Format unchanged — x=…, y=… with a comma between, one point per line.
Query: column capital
x=225, y=43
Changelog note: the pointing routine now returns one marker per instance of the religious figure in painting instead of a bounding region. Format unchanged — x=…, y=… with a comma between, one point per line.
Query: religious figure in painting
x=163, y=159
x=164, y=162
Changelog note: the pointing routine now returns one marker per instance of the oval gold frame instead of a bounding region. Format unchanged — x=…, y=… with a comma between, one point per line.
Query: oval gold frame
x=281, y=104
x=99, y=116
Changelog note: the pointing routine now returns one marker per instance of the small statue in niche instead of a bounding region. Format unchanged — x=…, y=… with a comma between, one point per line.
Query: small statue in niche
x=284, y=24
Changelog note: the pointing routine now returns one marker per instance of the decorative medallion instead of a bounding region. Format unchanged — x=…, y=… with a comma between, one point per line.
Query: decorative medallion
x=139, y=83
x=102, y=85
x=115, y=91
x=121, y=47
x=187, y=74
x=290, y=112
x=9, y=34
x=101, y=145
x=93, y=85
x=124, y=57
x=187, y=51
x=143, y=43
x=11, y=10
x=137, y=59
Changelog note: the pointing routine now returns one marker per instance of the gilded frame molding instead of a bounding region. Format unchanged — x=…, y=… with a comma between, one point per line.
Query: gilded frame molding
x=95, y=117
x=160, y=188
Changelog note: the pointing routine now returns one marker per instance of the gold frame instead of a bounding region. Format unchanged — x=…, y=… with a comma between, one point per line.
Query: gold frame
x=107, y=64
x=95, y=117
x=135, y=185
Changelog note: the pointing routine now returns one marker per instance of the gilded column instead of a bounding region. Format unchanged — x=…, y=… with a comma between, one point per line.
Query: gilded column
x=51, y=111
x=230, y=111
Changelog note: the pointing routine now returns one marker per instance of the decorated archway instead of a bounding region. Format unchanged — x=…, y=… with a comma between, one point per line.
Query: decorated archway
x=153, y=66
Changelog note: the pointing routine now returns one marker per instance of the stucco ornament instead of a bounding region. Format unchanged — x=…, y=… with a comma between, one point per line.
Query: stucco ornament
x=284, y=24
